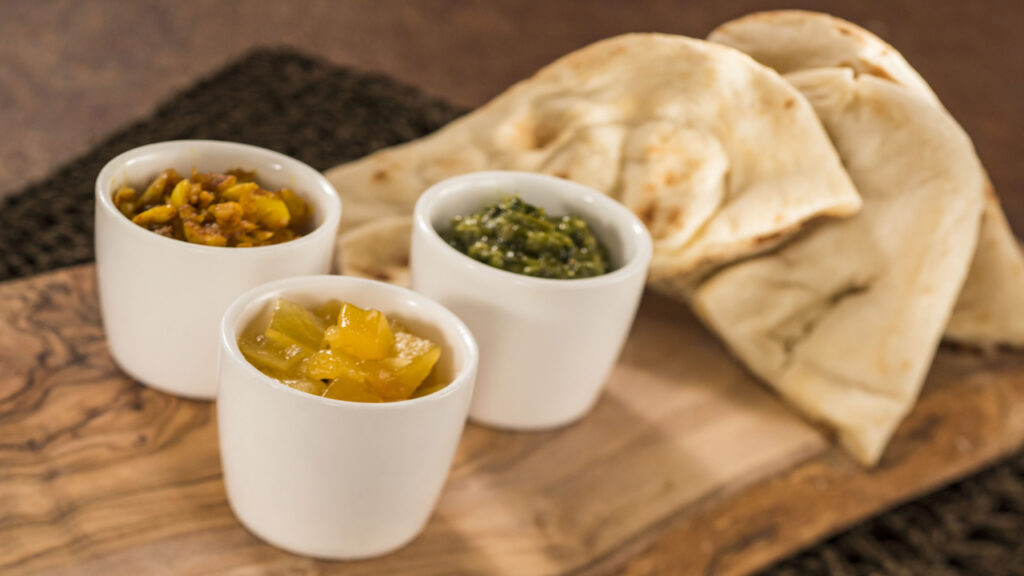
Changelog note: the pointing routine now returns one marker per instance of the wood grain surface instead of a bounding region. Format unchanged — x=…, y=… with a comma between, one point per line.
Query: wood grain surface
x=685, y=466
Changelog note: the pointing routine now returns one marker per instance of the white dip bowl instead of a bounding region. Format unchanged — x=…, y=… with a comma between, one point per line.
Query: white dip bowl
x=329, y=478
x=546, y=346
x=162, y=299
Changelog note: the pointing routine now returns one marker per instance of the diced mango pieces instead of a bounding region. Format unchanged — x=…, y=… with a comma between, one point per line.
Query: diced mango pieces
x=397, y=376
x=329, y=311
x=364, y=334
x=341, y=351
x=328, y=365
x=314, y=387
x=352, y=391
x=428, y=387
x=269, y=356
x=292, y=324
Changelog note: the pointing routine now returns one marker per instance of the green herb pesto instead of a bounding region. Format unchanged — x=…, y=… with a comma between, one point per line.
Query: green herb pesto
x=521, y=238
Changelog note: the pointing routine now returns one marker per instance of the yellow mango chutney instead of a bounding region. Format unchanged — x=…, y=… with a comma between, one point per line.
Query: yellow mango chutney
x=341, y=351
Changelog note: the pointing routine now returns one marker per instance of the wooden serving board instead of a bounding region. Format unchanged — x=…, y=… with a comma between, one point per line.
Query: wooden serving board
x=686, y=465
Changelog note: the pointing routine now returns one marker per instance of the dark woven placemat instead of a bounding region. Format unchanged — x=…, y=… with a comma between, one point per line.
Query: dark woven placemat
x=280, y=100
x=324, y=115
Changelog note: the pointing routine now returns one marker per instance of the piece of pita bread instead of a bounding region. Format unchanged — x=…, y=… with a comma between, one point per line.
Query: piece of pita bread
x=718, y=154
x=378, y=250
x=844, y=320
x=990, y=310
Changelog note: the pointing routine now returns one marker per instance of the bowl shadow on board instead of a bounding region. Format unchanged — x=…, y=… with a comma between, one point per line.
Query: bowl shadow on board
x=648, y=449
x=439, y=549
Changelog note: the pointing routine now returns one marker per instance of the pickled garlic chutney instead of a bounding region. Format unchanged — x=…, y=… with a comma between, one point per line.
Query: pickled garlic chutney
x=518, y=237
x=341, y=351
x=229, y=209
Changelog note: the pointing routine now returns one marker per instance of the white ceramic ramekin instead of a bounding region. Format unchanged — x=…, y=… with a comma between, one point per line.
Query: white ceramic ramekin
x=329, y=478
x=546, y=346
x=162, y=299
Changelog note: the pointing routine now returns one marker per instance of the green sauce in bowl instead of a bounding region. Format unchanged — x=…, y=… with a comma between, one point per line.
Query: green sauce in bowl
x=521, y=238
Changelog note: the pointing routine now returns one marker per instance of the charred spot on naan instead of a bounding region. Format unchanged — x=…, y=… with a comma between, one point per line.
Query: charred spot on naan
x=381, y=274
x=646, y=213
x=857, y=35
x=869, y=68
x=990, y=193
x=391, y=274
x=378, y=250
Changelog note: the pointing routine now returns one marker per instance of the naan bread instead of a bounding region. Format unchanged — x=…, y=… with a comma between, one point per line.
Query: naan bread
x=844, y=320
x=378, y=250
x=717, y=154
x=795, y=40
x=990, y=310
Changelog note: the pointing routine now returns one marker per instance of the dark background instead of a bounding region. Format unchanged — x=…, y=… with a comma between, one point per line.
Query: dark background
x=73, y=71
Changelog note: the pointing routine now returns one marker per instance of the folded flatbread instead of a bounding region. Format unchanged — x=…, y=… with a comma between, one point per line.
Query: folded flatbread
x=845, y=319
x=990, y=309
x=717, y=154
x=378, y=250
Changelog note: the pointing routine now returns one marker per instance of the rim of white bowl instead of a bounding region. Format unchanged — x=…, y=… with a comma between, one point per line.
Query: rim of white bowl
x=323, y=189
x=623, y=219
x=230, y=330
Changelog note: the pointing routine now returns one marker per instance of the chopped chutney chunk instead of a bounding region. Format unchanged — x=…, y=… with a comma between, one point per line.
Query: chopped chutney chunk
x=229, y=209
x=338, y=350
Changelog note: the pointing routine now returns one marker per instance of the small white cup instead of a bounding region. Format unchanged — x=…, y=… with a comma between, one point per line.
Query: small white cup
x=546, y=346
x=162, y=299
x=334, y=479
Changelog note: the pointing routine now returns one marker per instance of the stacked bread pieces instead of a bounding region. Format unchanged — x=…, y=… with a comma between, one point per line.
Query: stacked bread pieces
x=832, y=285
x=990, y=309
x=851, y=347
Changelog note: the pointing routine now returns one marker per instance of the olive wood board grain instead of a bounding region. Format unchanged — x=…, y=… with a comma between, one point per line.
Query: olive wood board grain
x=685, y=466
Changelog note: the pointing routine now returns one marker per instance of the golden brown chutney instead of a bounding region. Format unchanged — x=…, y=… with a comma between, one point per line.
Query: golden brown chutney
x=229, y=209
x=343, y=352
